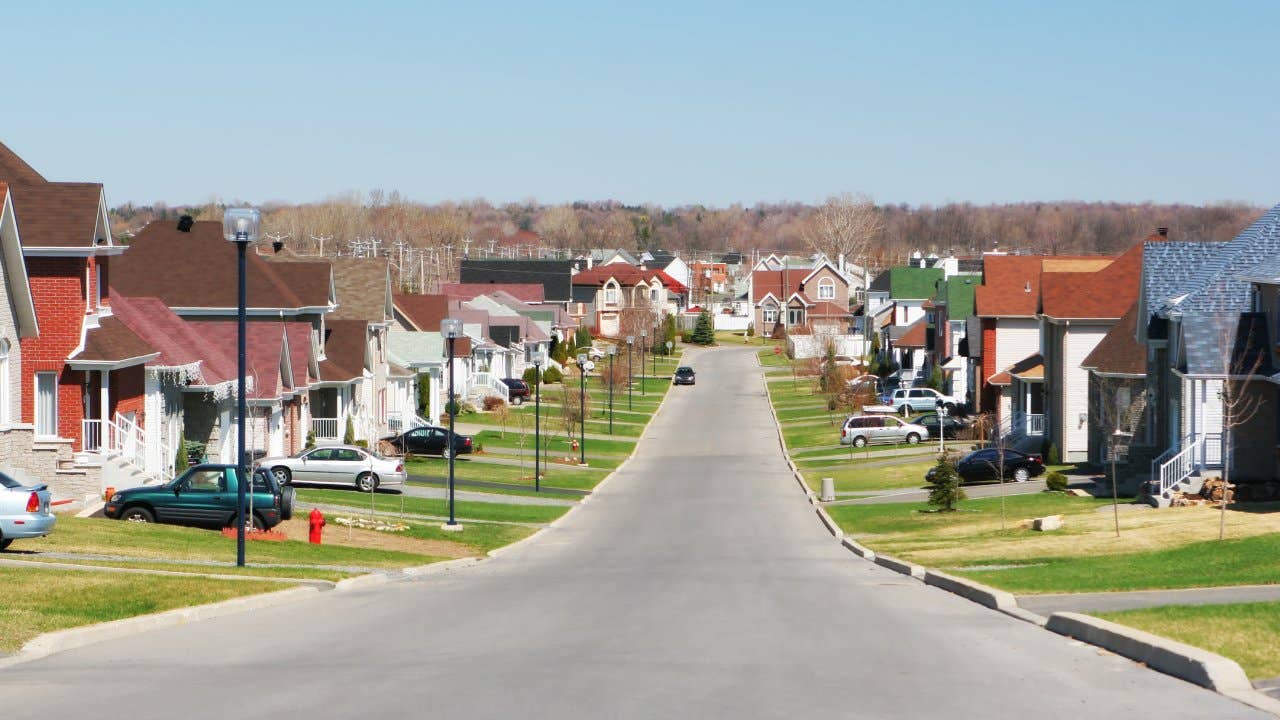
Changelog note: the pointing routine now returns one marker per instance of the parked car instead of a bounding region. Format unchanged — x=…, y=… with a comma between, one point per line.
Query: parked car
x=203, y=496
x=888, y=386
x=341, y=464
x=684, y=376
x=595, y=353
x=861, y=430
x=952, y=426
x=984, y=465
x=517, y=390
x=24, y=511
x=907, y=400
x=430, y=440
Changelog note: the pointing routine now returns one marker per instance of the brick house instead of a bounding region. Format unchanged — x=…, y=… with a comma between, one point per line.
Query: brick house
x=605, y=296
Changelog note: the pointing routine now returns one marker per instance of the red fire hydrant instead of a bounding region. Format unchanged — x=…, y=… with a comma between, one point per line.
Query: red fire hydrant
x=316, y=519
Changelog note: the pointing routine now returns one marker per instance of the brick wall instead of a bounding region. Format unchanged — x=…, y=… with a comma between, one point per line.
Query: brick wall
x=58, y=289
x=128, y=388
x=988, y=394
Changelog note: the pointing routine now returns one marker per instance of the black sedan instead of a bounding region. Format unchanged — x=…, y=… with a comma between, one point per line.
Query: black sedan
x=684, y=375
x=951, y=426
x=984, y=466
x=429, y=440
x=517, y=390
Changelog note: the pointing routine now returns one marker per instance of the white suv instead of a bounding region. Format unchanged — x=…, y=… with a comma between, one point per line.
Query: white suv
x=907, y=400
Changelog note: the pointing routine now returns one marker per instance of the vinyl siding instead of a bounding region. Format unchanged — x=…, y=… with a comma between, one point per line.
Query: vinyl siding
x=1079, y=341
x=1016, y=338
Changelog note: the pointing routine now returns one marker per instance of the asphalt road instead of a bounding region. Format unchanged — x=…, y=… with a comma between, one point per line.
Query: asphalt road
x=697, y=583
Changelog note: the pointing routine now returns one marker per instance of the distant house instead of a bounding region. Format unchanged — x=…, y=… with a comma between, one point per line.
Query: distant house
x=616, y=300
x=948, y=313
x=553, y=275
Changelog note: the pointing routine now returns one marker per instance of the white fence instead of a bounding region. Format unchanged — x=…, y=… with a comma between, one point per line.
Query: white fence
x=732, y=322
x=325, y=428
x=810, y=346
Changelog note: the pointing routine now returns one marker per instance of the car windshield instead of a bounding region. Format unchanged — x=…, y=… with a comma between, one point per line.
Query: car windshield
x=684, y=371
x=9, y=482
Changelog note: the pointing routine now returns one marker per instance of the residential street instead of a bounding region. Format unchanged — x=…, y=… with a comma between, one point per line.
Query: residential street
x=696, y=583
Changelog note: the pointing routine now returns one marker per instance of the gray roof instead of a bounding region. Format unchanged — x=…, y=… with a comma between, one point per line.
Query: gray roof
x=1218, y=284
x=1170, y=269
x=1205, y=334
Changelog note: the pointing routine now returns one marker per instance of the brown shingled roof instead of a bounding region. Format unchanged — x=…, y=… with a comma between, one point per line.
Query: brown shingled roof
x=914, y=337
x=1105, y=293
x=1119, y=352
x=344, y=349
x=1011, y=283
x=15, y=170
x=57, y=214
x=198, y=269
x=424, y=312
x=112, y=341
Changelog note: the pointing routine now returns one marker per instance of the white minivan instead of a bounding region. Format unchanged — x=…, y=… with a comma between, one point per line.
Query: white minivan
x=861, y=430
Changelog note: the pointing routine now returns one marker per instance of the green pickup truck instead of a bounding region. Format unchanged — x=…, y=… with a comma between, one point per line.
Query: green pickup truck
x=203, y=496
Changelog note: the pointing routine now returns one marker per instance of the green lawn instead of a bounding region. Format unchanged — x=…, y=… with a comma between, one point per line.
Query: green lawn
x=851, y=479
x=769, y=359
x=226, y=568
x=555, y=474
x=1248, y=633
x=388, y=503
x=99, y=536
x=554, y=442
x=39, y=600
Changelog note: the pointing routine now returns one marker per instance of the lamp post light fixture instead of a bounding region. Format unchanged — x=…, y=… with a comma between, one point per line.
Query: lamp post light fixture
x=539, y=357
x=241, y=226
x=582, y=408
x=631, y=339
x=613, y=350
x=669, y=346
x=451, y=329
x=643, y=337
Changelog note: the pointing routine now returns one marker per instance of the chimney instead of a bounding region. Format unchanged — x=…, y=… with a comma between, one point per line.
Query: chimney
x=1162, y=232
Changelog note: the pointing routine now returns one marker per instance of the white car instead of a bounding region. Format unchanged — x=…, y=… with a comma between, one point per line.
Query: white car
x=24, y=511
x=337, y=464
x=909, y=400
x=861, y=430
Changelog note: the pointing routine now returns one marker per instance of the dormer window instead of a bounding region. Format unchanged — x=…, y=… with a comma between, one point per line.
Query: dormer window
x=611, y=294
x=826, y=289
x=653, y=294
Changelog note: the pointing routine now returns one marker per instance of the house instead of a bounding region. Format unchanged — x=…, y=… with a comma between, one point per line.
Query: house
x=1077, y=310
x=668, y=262
x=553, y=275
x=79, y=368
x=708, y=279
x=17, y=322
x=948, y=313
x=415, y=342
x=618, y=300
x=790, y=298
x=1207, y=316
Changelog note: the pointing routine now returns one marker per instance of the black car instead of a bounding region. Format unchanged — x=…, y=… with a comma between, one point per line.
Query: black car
x=429, y=440
x=951, y=425
x=517, y=390
x=984, y=466
x=684, y=375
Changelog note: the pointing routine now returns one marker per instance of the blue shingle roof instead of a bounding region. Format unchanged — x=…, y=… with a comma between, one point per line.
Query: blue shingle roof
x=1205, y=334
x=1218, y=285
x=1170, y=269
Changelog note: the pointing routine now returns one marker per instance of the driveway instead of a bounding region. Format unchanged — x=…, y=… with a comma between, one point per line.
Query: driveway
x=697, y=583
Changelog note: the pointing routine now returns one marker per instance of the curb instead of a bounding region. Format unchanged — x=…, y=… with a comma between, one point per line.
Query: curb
x=858, y=549
x=71, y=638
x=970, y=590
x=1186, y=662
x=900, y=566
x=829, y=523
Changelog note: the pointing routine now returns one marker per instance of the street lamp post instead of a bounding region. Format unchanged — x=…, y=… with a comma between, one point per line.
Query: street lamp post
x=582, y=408
x=613, y=350
x=240, y=226
x=942, y=426
x=539, y=357
x=643, y=337
x=630, y=341
x=655, y=352
x=451, y=329
x=669, y=346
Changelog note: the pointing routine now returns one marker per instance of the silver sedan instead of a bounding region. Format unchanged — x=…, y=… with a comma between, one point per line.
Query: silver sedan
x=24, y=511
x=337, y=464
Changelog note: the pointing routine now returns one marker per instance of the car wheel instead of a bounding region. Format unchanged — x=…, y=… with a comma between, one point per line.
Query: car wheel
x=283, y=476
x=258, y=524
x=905, y=410
x=859, y=441
x=951, y=408
x=517, y=400
x=5, y=543
x=138, y=515
x=287, y=496
x=1021, y=475
x=913, y=439
x=367, y=482
x=444, y=453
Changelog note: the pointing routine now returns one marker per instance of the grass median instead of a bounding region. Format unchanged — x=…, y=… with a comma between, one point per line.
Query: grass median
x=40, y=600
x=465, y=510
x=1245, y=632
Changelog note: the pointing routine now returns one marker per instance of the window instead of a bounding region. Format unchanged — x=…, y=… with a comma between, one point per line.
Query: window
x=611, y=295
x=769, y=315
x=795, y=316
x=826, y=289
x=206, y=481
x=653, y=294
x=321, y=454
x=47, y=404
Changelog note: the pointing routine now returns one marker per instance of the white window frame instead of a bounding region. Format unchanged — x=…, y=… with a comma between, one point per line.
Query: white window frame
x=826, y=289
x=38, y=414
x=610, y=294
x=653, y=294
x=769, y=314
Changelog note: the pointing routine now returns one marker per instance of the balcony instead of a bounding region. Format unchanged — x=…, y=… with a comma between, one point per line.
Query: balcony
x=1028, y=424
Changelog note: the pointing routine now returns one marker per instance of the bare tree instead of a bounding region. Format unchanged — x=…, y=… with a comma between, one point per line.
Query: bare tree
x=1116, y=409
x=844, y=226
x=559, y=225
x=1242, y=354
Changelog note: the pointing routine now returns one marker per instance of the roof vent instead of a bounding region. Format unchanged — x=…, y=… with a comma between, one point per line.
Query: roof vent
x=1162, y=231
x=185, y=222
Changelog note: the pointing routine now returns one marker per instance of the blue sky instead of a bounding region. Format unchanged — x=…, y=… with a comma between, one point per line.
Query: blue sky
x=670, y=103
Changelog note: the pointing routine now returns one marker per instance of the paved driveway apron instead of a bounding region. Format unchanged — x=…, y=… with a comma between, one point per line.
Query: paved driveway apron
x=697, y=583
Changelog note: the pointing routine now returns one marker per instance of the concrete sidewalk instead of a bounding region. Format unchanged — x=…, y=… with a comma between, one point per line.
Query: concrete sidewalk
x=1132, y=600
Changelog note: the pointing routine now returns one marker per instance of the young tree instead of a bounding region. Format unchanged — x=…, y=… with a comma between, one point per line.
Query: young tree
x=1116, y=410
x=573, y=408
x=946, y=491
x=704, y=332
x=1242, y=350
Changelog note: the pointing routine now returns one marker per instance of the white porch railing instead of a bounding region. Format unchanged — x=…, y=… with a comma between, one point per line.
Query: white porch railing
x=491, y=382
x=325, y=428
x=123, y=437
x=1027, y=424
x=1199, y=452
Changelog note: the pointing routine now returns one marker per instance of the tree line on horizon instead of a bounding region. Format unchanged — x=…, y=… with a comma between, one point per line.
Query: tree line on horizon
x=888, y=231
